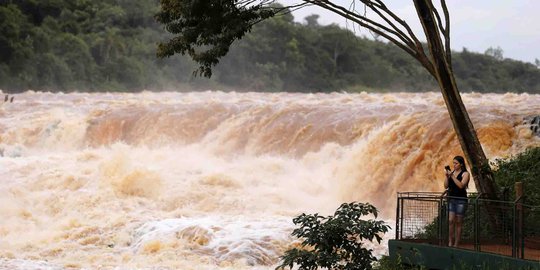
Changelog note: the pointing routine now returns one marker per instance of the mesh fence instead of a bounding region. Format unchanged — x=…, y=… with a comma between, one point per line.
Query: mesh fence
x=493, y=227
x=530, y=233
x=419, y=217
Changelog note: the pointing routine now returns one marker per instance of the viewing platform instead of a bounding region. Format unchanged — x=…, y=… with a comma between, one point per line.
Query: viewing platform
x=496, y=234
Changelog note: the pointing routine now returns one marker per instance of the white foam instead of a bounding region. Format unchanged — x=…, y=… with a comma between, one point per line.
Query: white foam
x=254, y=241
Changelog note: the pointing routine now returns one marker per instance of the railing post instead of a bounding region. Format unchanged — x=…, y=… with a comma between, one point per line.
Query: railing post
x=518, y=186
x=476, y=225
x=401, y=219
x=522, y=233
x=440, y=223
x=397, y=218
x=514, y=252
x=446, y=223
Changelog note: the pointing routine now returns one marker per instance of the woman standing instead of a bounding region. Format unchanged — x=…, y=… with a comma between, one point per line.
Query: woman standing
x=456, y=182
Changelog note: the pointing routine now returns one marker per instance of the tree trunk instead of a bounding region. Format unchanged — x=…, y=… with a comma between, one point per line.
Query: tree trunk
x=481, y=172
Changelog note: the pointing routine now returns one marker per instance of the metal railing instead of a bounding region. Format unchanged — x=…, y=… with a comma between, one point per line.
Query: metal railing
x=509, y=228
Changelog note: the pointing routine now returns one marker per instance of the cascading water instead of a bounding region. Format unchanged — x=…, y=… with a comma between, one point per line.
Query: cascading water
x=212, y=180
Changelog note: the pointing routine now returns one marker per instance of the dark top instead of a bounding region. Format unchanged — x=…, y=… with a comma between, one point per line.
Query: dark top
x=454, y=190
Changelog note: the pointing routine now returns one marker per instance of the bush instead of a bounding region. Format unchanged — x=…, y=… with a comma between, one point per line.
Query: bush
x=335, y=242
x=386, y=263
x=525, y=168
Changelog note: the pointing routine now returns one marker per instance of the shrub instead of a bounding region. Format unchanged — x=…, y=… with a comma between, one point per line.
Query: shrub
x=525, y=167
x=335, y=242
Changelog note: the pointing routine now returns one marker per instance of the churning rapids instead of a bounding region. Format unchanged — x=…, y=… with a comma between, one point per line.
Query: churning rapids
x=212, y=180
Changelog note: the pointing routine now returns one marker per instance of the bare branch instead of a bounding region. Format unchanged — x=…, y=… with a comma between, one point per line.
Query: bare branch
x=447, y=33
x=438, y=18
x=419, y=47
x=352, y=6
x=247, y=3
x=383, y=7
x=445, y=30
x=401, y=35
x=287, y=9
x=357, y=17
x=373, y=26
x=279, y=11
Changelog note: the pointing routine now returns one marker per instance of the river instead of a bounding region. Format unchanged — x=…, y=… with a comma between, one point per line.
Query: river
x=212, y=180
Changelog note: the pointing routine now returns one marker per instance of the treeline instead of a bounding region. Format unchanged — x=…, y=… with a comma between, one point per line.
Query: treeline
x=109, y=45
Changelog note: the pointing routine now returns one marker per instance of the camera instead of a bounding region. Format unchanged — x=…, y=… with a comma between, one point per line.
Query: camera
x=447, y=167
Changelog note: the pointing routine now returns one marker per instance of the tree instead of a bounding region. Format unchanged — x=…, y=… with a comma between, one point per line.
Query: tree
x=335, y=242
x=496, y=53
x=312, y=20
x=206, y=29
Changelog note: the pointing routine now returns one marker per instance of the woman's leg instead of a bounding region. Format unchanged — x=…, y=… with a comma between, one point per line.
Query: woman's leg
x=459, y=222
x=451, y=219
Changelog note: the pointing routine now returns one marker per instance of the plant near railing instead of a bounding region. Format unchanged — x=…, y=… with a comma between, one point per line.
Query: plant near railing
x=335, y=242
x=525, y=168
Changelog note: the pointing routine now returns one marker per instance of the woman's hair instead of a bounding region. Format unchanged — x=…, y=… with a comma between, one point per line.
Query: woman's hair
x=461, y=161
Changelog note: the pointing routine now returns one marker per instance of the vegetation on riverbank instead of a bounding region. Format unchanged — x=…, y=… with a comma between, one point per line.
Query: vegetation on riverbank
x=525, y=168
x=107, y=45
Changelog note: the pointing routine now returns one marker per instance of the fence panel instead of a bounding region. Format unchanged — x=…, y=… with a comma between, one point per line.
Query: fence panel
x=495, y=226
x=529, y=247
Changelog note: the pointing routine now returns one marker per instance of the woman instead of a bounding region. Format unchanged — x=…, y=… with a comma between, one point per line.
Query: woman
x=456, y=182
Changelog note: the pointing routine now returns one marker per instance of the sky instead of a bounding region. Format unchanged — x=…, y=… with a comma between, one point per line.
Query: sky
x=512, y=25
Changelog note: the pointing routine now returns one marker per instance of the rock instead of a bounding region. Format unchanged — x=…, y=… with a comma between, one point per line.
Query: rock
x=534, y=124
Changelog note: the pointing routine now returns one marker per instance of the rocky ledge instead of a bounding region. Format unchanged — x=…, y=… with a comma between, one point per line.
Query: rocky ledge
x=534, y=124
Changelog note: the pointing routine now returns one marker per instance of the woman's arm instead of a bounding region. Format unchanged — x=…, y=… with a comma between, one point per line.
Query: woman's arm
x=446, y=176
x=464, y=181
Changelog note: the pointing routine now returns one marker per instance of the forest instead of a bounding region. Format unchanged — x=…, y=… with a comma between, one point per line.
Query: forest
x=110, y=45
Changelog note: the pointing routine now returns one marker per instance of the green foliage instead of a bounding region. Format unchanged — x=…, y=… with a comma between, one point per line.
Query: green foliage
x=335, y=242
x=110, y=45
x=525, y=168
x=61, y=45
x=481, y=73
x=386, y=263
x=496, y=53
x=205, y=29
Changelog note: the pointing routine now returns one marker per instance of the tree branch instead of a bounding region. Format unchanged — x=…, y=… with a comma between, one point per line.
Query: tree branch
x=417, y=53
x=401, y=35
x=419, y=47
x=358, y=18
x=400, y=21
x=447, y=33
x=445, y=30
x=438, y=18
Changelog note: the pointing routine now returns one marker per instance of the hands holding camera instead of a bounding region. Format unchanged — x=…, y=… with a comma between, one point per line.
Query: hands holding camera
x=447, y=171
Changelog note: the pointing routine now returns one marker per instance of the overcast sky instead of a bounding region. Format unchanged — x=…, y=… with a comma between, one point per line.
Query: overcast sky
x=513, y=25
